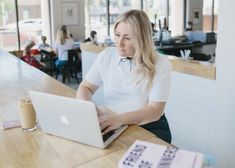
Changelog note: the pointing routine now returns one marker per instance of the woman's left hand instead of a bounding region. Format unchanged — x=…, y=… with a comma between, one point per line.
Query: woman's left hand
x=109, y=122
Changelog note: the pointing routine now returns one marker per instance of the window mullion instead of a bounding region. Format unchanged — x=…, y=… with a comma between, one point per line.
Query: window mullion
x=212, y=16
x=17, y=24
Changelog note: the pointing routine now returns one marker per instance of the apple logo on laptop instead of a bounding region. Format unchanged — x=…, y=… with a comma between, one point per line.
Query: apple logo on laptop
x=64, y=119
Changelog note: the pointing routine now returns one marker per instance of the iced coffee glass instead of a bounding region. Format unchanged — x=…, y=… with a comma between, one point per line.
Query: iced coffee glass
x=27, y=114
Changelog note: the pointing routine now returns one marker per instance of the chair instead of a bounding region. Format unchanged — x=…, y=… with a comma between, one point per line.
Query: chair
x=48, y=57
x=72, y=67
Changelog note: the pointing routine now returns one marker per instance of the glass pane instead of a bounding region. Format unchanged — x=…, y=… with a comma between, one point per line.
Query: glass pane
x=8, y=33
x=96, y=18
x=216, y=8
x=207, y=15
x=157, y=11
x=30, y=22
x=118, y=7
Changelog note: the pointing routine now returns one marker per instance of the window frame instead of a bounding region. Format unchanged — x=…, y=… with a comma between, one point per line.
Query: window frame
x=141, y=8
x=18, y=23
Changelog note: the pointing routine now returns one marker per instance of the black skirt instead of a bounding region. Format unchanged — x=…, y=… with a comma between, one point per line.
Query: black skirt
x=160, y=128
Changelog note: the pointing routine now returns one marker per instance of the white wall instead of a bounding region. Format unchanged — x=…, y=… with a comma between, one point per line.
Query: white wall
x=189, y=111
x=88, y=58
x=78, y=30
x=176, y=17
x=224, y=116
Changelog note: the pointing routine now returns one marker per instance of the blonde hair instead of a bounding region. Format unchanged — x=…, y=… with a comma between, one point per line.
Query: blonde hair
x=62, y=35
x=28, y=47
x=145, y=56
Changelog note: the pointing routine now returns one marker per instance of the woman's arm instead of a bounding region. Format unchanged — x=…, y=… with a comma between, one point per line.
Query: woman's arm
x=86, y=90
x=151, y=112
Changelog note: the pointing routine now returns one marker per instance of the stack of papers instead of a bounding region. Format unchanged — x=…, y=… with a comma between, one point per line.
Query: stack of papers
x=148, y=155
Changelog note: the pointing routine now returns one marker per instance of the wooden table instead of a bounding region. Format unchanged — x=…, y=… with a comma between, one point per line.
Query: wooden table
x=37, y=149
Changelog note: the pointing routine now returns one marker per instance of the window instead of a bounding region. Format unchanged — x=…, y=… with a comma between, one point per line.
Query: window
x=210, y=15
x=157, y=11
x=118, y=7
x=97, y=12
x=8, y=33
x=29, y=22
x=96, y=18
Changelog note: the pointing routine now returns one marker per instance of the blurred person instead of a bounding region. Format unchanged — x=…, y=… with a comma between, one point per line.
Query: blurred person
x=62, y=44
x=29, y=58
x=154, y=31
x=43, y=44
x=92, y=38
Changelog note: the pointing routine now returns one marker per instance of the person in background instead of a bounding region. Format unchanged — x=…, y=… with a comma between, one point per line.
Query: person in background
x=155, y=34
x=135, y=79
x=64, y=27
x=153, y=29
x=62, y=44
x=28, y=58
x=189, y=26
x=71, y=35
x=43, y=44
x=92, y=38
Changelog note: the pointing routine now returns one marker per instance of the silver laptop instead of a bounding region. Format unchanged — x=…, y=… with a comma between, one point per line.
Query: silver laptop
x=71, y=118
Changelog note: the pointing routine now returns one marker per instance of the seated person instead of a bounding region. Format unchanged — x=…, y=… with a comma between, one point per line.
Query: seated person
x=189, y=26
x=154, y=31
x=28, y=58
x=92, y=38
x=43, y=44
x=62, y=44
x=135, y=79
x=71, y=36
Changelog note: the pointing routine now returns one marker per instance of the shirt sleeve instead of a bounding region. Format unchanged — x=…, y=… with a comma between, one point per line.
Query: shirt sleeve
x=94, y=74
x=161, y=87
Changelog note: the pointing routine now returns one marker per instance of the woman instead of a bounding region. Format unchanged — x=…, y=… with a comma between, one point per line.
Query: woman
x=135, y=79
x=31, y=60
x=62, y=44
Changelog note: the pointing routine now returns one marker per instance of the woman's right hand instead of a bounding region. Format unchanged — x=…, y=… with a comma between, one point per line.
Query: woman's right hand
x=108, y=119
x=103, y=110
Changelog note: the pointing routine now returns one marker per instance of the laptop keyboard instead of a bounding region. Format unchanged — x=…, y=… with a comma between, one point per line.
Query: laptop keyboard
x=107, y=135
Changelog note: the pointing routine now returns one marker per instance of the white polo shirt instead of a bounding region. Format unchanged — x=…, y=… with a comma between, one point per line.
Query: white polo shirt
x=118, y=77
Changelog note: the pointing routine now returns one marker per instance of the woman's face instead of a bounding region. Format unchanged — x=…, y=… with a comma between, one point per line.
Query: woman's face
x=123, y=40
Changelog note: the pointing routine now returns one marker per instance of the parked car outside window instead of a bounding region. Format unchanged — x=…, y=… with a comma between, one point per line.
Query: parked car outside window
x=29, y=25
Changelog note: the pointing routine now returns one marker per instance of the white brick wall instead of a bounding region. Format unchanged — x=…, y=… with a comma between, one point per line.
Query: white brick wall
x=189, y=111
x=88, y=58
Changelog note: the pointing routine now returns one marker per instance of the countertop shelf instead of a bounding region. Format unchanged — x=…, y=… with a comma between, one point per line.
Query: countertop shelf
x=193, y=67
x=198, y=68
